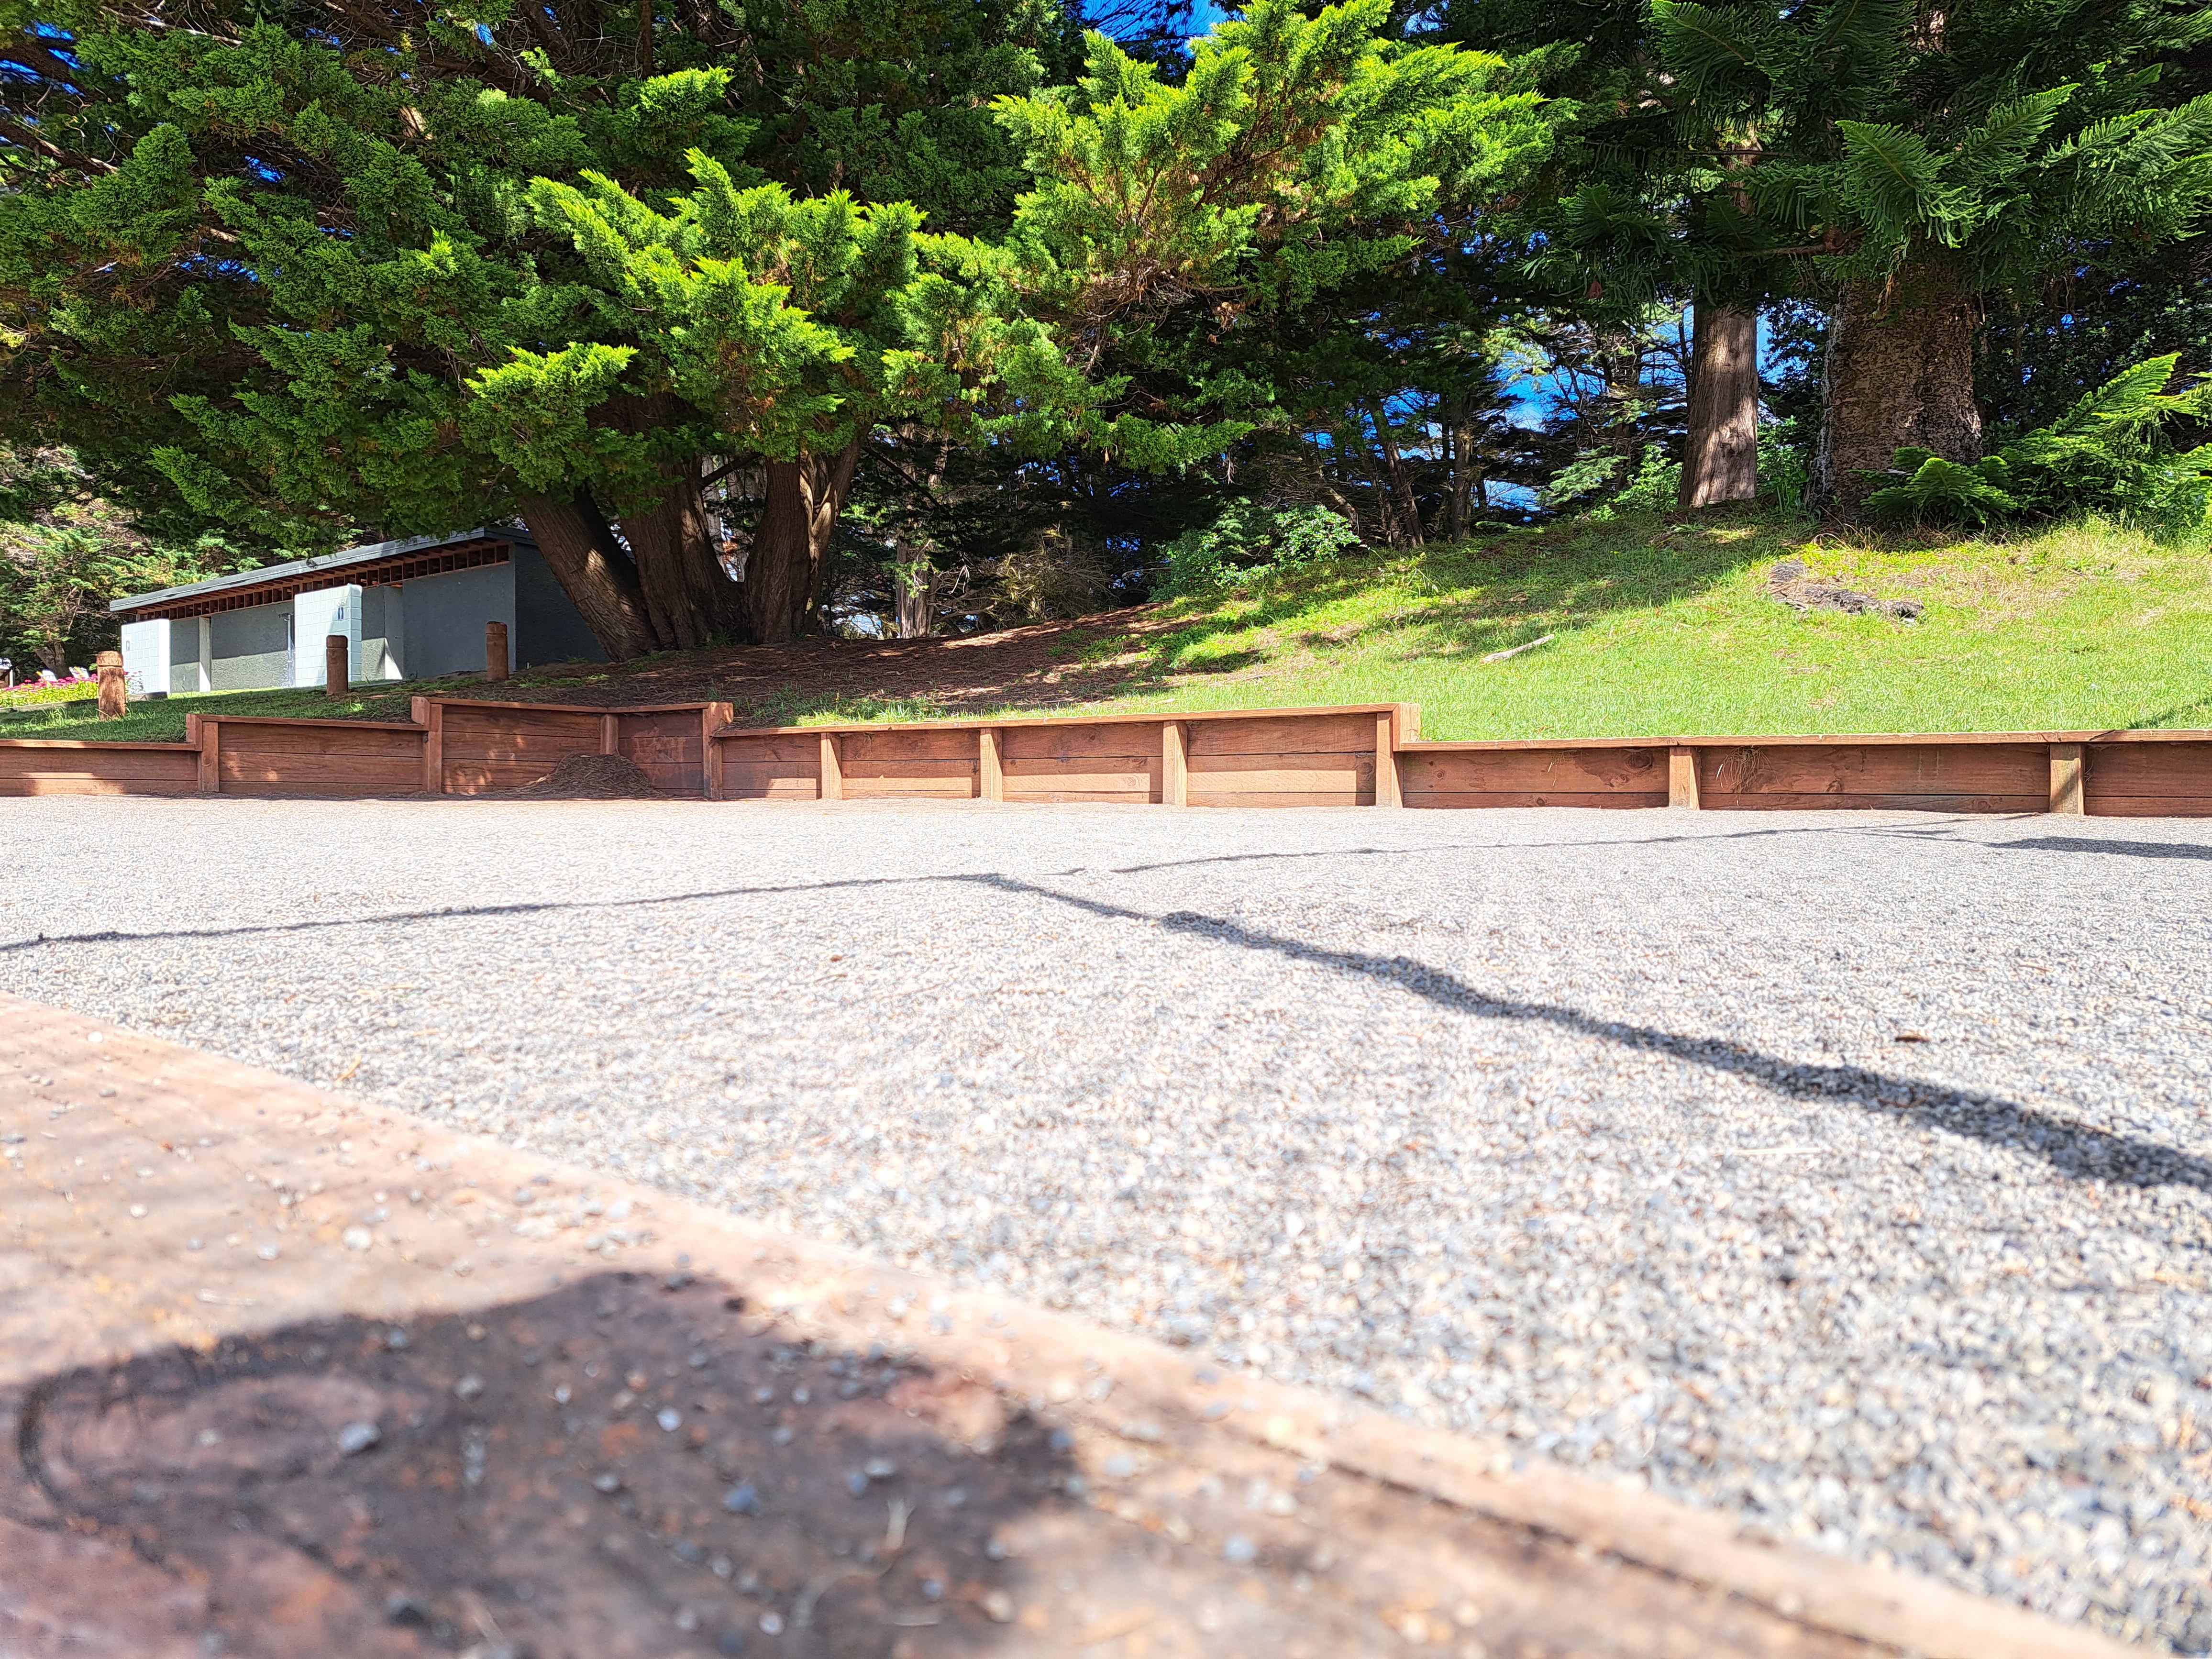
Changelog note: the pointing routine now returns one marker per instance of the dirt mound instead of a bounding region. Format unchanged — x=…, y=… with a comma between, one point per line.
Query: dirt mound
x=591, y=777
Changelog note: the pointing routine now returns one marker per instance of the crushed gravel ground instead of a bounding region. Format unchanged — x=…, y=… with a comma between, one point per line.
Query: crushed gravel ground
x=1850, y=1172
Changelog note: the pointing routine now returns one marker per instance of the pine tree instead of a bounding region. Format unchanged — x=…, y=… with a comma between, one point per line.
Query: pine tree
x=1928, y=157
x=1642, y=205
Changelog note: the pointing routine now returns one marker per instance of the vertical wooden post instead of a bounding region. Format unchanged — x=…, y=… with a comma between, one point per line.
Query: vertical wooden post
x=1174, y=764
x=210, y=782
x=991, y=778
x=2066, y=778
x=494, y=652
x=114, y=689
x=1386, y=792
x=1683, y=777
x=833, y=768
x=430, y=714
x=336, y=670
x=609, y=734
x=712, y=719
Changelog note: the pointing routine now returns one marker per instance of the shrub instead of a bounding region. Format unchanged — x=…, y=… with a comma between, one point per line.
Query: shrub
x=1246, y=542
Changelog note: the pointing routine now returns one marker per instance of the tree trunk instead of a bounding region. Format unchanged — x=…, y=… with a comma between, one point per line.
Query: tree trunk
x=1720, y=463
x=1401, y=483
x=784, y=568
x=1899, y=374
x=687, y=595
x=592, y=570
x=1456, y=437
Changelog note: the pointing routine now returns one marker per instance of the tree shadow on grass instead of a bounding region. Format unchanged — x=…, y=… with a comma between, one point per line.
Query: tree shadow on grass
x=614, y=1469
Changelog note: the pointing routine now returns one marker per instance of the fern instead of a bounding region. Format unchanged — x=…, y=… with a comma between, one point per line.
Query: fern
x=2103, y=455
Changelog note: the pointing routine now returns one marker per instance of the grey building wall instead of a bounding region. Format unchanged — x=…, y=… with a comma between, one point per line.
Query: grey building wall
x=185, y=657
x=383, y=635
x=445, y=619
x=547, y=628
x=252, y=647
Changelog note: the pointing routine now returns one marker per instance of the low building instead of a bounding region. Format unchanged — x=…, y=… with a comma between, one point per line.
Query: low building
x=409, y=610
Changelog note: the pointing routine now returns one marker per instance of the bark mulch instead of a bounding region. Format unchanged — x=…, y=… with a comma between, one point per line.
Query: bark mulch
x=1035, y=666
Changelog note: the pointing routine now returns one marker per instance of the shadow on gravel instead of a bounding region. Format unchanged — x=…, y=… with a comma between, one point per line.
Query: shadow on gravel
x=2073, y=1149
x=2140, y=849
x=463, y=912
x=613, y=1469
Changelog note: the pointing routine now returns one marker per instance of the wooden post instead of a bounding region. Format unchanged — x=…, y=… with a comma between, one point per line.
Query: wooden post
x=2066, y=778
x=430, y=714
x=991, y=777
x=114, y=690
x=833, y=768
x=210, y=734
x=336, y=670
x=1683, y=777
x=1175, y=763
x=1386, y=792
x=712, y=719
x=609, y=734
x=494, y=652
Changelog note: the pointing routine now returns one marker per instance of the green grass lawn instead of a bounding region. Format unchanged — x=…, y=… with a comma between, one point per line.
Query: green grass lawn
x=163, y=721
x=1666, y=628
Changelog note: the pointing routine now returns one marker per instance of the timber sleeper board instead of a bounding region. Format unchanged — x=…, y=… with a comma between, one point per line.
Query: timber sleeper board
x=324, y=740
x=178, y=763
x=476, y=777
x=2183, y=774
x=1846, y=770
x=1637, y=799
x=371, y=771
x=37, y=746
x=1131, y=740
x=1565, y=770
x=1801, y=740
x=241, y=722
x=2039, y=803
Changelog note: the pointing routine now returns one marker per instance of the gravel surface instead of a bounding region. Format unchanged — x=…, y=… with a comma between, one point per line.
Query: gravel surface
x=1852, y=1172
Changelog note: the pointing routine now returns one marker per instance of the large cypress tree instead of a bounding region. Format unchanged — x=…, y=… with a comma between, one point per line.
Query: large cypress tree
x=409, y=272
x=271, y=245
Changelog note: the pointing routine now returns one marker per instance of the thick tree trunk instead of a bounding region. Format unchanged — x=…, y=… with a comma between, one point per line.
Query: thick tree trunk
x=593, y=571
x=1720, y=463
x=784, y=568
x=1899, y=374
x=687, y=596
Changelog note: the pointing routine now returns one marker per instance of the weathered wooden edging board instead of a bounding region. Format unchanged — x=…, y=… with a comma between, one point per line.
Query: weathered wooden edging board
x=1361, y=754
x=284, y=1372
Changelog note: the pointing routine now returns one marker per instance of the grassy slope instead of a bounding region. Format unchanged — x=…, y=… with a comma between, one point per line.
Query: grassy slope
x=1662, y=628
x=1668, y=629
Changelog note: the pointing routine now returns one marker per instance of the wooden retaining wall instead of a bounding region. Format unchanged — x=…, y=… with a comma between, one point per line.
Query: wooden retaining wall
x=1359, y=756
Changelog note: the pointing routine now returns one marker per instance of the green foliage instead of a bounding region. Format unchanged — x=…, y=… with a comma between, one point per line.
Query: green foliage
x=1248, y=542
x=2105, y=456
x=1784, y=473
x=1996, y=133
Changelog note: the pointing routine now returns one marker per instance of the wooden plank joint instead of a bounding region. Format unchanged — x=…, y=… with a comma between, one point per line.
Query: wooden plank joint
x=1386, y=790
x=2066, y=780
x=1682, y=777
x=991, y=771
x=833, y=767
x=1175, y=763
